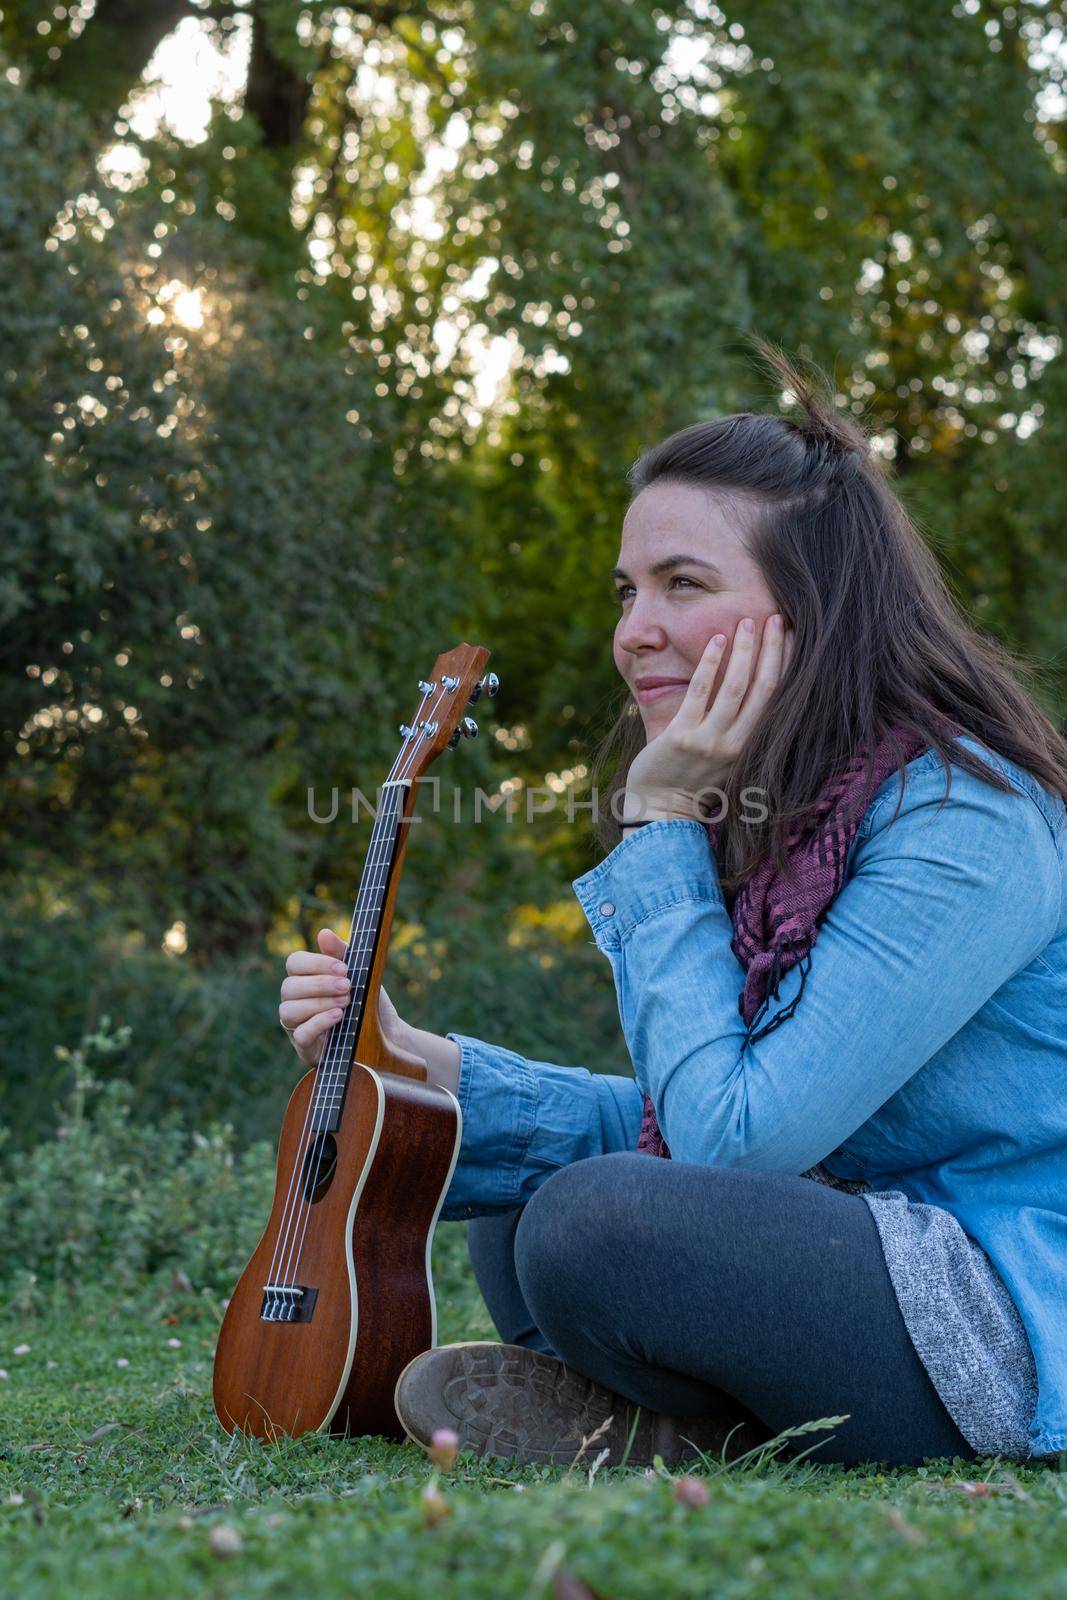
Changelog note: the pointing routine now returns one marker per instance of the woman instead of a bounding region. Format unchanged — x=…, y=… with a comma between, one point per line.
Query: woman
x=836, y=916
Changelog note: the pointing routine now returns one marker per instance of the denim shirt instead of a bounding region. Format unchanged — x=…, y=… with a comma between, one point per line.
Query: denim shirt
x=928, y=1053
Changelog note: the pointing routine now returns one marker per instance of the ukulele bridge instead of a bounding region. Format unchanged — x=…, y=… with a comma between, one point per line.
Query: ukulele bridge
x=287, y=1302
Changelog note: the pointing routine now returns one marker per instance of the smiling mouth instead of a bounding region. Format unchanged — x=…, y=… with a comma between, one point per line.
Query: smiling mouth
x=655, y=691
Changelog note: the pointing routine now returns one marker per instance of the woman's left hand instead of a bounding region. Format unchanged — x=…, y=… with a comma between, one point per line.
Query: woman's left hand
x=679, y=772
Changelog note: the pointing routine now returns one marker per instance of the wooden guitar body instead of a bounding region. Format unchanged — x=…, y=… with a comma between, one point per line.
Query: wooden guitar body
x=364, y=1250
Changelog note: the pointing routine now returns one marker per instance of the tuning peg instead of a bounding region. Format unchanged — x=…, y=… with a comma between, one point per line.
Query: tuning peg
x=489, y=684
x=468, y=729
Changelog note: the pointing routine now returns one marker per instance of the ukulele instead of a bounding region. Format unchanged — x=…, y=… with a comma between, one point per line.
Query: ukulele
x=337, y=1297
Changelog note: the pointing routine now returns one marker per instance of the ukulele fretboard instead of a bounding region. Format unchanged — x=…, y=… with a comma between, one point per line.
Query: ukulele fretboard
x=336, y=1059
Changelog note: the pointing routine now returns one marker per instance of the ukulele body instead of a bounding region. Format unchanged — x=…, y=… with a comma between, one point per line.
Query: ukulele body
x=325, y=1356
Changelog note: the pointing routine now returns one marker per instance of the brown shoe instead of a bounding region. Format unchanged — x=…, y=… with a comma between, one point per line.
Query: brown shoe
x=505, y=1400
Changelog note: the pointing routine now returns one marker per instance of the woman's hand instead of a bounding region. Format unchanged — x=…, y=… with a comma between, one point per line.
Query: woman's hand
x=314, y=995
x=678, y=772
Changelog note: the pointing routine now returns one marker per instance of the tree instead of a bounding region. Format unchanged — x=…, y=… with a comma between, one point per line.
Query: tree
x=620, y=191
x=194, y=545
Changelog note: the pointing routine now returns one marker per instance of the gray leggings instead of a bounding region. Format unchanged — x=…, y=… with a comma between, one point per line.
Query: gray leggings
x=698, y=1290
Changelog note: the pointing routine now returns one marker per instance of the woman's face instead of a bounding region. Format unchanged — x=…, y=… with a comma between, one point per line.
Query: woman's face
x=668, y=614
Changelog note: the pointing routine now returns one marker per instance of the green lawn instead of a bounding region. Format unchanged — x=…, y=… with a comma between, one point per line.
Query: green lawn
x=136, y=1509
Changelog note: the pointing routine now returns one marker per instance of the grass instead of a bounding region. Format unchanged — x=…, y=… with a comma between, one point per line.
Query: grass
x=115, y=1480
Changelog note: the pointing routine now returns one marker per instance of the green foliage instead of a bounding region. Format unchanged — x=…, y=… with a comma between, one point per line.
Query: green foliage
x=190, y=613
x=230, y=546
x=833, y=180
x=114, y=1200
x=205, y=1043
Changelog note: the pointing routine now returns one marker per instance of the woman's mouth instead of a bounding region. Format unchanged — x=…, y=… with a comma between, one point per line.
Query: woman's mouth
x=650, y=689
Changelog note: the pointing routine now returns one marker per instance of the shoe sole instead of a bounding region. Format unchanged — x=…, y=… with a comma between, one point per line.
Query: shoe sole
x=505, y=1401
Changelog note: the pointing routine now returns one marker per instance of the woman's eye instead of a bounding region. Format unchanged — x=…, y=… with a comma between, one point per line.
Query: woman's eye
x=622, y=588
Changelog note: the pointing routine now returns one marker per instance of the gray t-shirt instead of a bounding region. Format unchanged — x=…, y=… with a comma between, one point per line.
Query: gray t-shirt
x=963, y=1323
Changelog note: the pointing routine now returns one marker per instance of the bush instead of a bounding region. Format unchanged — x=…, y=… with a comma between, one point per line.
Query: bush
x=203, y=1040
x=115, y=1199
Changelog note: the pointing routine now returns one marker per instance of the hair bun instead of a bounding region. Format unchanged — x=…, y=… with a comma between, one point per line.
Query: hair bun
x=819, y=421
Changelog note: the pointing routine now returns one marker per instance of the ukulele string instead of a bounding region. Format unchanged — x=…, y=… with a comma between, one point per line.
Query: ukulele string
x=332, y=1061
x=331, y=1074
x=336, y=1068
x=323, y=1069
x=314, y=1100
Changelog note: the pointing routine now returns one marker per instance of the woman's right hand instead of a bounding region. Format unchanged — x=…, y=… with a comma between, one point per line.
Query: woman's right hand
x=315, y=992
x=314, y=995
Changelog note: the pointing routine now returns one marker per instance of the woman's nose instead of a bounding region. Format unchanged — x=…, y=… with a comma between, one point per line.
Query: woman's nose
x=638, y=628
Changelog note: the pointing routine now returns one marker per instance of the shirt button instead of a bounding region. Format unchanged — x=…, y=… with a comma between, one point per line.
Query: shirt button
x=607, y=909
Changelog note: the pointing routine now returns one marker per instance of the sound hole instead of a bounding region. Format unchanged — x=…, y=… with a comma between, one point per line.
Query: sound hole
x=319, y=1166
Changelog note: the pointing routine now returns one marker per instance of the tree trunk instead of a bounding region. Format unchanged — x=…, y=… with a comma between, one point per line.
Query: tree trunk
x=277, y=94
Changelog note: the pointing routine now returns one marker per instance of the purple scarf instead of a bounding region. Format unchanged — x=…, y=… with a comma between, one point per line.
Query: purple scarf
x=776, y=922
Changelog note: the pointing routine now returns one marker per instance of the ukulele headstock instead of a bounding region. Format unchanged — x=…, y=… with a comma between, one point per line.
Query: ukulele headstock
x=440, y=721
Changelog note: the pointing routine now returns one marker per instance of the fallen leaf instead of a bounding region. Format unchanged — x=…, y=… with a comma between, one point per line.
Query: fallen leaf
x=1010, y=1484
x=974, y=1491
x=109, y=1427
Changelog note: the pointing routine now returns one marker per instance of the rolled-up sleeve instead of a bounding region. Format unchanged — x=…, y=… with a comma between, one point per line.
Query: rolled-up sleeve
x=924, y=931
x=523, y=1119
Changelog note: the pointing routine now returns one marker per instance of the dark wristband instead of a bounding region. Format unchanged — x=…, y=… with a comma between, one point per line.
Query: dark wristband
x=647, y=822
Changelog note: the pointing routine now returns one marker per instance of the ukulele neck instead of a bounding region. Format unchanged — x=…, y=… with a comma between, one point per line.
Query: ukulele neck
x=438, y=724
x=335, y=1063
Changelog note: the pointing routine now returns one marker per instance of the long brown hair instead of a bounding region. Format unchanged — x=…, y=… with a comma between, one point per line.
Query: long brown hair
x=879, y=641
